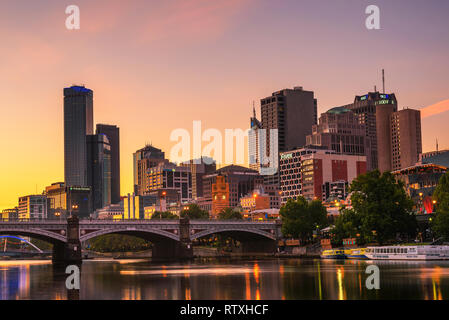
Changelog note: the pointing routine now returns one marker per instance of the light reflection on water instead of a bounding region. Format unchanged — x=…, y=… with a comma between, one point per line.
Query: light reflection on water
x=227, y=279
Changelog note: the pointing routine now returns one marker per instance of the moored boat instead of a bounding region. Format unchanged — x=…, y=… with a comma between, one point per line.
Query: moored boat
x=424, y=252
x=333, y=254
x=358, y=253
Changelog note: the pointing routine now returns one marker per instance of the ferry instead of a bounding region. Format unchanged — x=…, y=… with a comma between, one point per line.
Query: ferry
x=425, y=252
x=358, y=253
x=333, y=254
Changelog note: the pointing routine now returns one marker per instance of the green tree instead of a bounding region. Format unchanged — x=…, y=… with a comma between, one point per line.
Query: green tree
x=118, y=243
x=163, y=215
x=230, y=214
x=347, y=225
x=382, y=207
x=440, y=224
x=300, y=218
x=194, y=212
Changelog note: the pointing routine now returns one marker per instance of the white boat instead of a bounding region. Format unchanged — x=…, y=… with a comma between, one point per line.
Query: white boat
x=408, y=253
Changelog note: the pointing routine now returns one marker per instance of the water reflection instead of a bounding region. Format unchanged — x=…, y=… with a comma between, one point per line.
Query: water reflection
x=226, y=279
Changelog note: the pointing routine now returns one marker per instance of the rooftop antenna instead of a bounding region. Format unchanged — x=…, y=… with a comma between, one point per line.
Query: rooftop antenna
x=254, y=110
x=383, y=80
x=437, y=145
x=375, y=88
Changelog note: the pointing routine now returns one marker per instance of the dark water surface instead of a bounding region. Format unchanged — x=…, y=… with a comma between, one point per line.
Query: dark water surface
x=227, y=279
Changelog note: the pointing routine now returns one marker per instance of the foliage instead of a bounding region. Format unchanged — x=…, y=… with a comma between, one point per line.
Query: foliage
x=347, y=225
x=194, y=212
x=381, y=210
x=230, y=214
x=157, y=215
x=440, y=224
x=300, y=218
x=118, y=243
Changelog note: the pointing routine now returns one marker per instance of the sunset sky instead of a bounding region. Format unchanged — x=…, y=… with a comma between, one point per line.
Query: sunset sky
x=155, y=66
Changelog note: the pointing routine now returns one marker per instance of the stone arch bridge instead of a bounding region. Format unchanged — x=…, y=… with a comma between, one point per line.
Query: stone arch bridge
x=170, y=238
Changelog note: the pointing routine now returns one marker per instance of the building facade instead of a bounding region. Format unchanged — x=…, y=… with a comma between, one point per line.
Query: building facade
x=440, y=158
x=63, y=200
x=112, y=132
x=10, y=214
x=143, y=160
x=32, y=207
x=199, y=168
x=220, y=195
x=134, y=206
x=78, y=123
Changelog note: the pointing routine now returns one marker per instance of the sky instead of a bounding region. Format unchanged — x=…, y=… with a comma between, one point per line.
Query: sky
x=156, y=66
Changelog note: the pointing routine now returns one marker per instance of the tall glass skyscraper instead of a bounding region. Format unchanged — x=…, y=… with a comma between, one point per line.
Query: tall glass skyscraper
x=78, y=122
x=99, y=169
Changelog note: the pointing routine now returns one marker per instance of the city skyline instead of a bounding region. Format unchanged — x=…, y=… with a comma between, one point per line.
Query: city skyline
x=139, y=94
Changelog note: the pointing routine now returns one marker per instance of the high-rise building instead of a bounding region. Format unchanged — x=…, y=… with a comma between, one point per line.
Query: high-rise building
x=33, y=207
x=113, y=134
x=143, y=160
x=10, y=214
x=254, y=147
x=374, y=111
x=339, y=130
x=63, y=201
x=78, y=123
x=134, y=205
x=304, y=171
x=438, y=157
x=406, y=141
x=292, y=112
x=198, y=168
x=99, y=169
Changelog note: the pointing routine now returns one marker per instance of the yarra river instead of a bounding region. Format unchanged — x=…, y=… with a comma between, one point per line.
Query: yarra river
x=227, y=279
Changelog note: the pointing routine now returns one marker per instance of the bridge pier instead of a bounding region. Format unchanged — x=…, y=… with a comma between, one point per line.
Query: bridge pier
x=69, y=253
x=174, y=249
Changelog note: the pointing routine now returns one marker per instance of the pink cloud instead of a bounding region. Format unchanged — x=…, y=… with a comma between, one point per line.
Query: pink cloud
x=435, y=109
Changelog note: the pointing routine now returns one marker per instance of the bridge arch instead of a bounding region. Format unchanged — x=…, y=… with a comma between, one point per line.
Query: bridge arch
x=145, y=233
x=41, y=234
x=233, y=229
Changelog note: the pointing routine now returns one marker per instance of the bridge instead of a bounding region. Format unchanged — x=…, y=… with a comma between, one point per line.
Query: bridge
x=170, y=238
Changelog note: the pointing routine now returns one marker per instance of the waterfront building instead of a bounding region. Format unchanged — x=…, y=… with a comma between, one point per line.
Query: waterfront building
x=10, y=214
x=32, y=207
x=99, y=169
x=134, y=205
x=255, y=200
x=420, y=182
x=220, y=195
x=143, y=160
x=112, y=132
x=78, y=123
x=440, y=158
x=406, y=140
x=63, y=200
x=111, y=212
x=304, y=171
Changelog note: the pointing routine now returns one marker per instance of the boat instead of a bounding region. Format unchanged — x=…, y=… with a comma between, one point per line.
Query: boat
x=424, y=252
x=333, y=254
x=358, y=253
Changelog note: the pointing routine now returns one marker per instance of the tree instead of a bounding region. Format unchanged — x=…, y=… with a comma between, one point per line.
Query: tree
x=194, y=212
x=382, y=209
x=300, y=218
x=157, y=215
x=230, y=214
x=118, y=243
x=440, y=224
x=347, y=225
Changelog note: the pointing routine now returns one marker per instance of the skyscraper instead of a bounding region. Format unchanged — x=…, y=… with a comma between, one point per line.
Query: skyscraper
x=78, y=122
x=99, y=170
x=144, y=159
x=113, y=134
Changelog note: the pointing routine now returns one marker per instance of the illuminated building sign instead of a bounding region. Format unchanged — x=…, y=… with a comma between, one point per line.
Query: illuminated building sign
x=286, y=156
x=384, y=102
x=384, y=96
x=364, y=98
x=79, y=189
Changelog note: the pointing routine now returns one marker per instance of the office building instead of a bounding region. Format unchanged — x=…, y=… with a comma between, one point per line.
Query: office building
x=134, y=205
x=440, y=158
x=304, y=171
x=10, y=214
x=111, y=212
x=198, y=168
x=63, y=200
x=99, y=169
x=374, y=111
x=143, y=160
x=33, y=207
x=335, y=190
x=254, y=147
x=78, y=123
x=256, y=200
x=406, y=140
x=339, y=130
x=112, y=132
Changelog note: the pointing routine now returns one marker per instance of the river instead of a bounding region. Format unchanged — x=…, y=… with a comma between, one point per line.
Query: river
x=214, y=278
